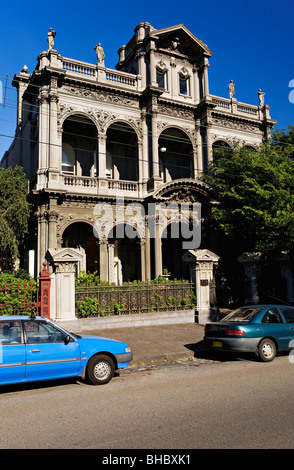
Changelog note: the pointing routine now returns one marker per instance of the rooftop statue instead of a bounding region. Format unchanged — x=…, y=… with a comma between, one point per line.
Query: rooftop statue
x=232, y=89
x=100, y=54
x=50, y=38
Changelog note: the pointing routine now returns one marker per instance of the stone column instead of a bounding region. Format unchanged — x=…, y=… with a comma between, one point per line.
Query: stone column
x=155, y=157
x=143, y=258
x=199, y=165
x=251, y=262
x=103, y=256
x=147, y=256
x=202, y=263
x=145, y=166
x=158, y=249
x=43, y=101
x=111, y=276
x=42, y=244
x=152, y=69
x=196, y=85
x=52, y=218
x=102, y=156
x=54, y=152
x=205, y=77
x=209, y=144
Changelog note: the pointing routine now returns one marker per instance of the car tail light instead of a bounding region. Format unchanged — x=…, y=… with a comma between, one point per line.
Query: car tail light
x=235, y=332
x=206, y=330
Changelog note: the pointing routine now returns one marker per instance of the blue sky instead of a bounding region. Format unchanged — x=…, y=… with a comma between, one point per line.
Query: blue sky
x=252, y=43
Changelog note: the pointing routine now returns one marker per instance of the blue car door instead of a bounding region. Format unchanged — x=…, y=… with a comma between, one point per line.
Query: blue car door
x=48, y=355
x=12, y=352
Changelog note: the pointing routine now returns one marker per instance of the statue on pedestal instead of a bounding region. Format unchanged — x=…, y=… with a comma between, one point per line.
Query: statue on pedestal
x=50, y=38
x=232, y=89
x=261, y=98
x=100, y=54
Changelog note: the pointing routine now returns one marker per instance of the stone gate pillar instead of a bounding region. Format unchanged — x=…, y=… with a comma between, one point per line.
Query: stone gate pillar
x=202, y=264
x=251, y=263
x=64, y=266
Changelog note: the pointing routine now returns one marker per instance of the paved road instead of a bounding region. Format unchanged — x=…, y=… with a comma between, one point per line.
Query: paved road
x=189, y=404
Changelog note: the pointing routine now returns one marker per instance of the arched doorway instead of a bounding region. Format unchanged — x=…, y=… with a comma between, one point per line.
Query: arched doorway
x=175, y=154
x=80, y=234
x=172, y=252
x=126, y=254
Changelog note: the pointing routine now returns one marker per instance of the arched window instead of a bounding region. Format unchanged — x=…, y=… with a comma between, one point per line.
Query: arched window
x=175, y=155
x=161, y=75
x=183, y=86
x=79, y=146
x=122, y=152
x=220, y=148
x=184, y=82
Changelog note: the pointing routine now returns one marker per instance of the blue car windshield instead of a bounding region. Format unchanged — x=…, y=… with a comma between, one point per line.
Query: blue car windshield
x=241, y=314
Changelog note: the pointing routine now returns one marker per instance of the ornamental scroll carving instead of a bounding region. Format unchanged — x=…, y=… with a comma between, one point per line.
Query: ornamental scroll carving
x=234, y=124
x=102, y=96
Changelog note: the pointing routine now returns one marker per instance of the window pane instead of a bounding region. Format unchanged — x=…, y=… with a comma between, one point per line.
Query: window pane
x=68, y=159
x=40, y=332
x=160, y=80
x=10, y=332
x=183, y=87
x=272, y=316
x=288, y=314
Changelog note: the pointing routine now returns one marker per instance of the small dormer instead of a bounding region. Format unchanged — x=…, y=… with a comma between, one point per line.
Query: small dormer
x=172, y=59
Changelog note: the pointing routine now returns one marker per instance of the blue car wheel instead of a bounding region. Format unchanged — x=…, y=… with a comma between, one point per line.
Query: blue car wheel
x=100, y=369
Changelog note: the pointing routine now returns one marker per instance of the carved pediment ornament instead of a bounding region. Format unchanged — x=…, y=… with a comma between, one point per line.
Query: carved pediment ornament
x=161, y=67
x=183, y=195
x=184, y=73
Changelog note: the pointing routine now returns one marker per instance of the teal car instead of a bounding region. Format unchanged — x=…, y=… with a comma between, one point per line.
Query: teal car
x=259, y=329
x=34, y=349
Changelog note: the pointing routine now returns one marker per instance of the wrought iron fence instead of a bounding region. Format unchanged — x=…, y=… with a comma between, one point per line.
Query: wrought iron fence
x=18, y=297
x=134, y=298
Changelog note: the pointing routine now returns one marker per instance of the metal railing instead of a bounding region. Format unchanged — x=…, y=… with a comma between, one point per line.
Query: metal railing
x=133, y=298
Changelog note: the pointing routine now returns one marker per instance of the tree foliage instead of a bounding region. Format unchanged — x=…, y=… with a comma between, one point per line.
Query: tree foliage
x=255, y=191
x=14, y=212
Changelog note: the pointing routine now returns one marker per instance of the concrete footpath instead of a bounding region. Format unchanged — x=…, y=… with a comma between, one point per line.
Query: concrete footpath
x=158, y=343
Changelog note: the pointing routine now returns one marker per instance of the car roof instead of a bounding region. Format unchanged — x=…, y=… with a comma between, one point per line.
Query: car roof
x=20, y=317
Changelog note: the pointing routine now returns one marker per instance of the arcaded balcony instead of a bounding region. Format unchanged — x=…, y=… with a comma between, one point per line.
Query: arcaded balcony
x=110, y=169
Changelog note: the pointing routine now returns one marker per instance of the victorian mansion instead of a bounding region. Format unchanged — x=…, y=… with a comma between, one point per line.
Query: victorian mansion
x=144, y=132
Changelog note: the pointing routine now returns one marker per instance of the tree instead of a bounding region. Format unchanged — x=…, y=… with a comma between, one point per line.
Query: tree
x=14, y=213
x=255, y=191
x=284, y=139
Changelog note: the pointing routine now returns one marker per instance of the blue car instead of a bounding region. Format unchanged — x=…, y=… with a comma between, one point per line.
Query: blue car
x=259, y=329
x=34, y=348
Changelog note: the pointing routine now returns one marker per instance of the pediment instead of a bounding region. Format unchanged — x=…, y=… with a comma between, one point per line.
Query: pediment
x=200, y=255
x=179, y=39
x=65, y=255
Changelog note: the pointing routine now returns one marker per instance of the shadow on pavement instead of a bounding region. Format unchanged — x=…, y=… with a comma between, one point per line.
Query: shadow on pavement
x=201, y=352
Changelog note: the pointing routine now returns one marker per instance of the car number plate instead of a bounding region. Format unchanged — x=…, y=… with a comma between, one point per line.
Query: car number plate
x=217, y=344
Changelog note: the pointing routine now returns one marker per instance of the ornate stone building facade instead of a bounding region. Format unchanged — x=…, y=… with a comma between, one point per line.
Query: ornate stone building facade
x=140, y=134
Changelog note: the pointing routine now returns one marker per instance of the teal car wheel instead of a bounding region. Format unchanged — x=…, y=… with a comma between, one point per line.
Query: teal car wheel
x=267, y=350
x=100, y=369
